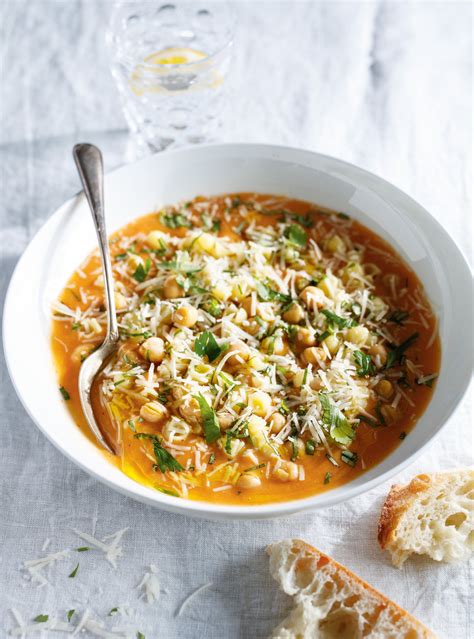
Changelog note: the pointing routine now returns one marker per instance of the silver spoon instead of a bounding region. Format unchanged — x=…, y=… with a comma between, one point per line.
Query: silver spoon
x=89, y=163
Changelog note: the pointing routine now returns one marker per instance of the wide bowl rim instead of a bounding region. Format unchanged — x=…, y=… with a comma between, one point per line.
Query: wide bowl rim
x=209, y=510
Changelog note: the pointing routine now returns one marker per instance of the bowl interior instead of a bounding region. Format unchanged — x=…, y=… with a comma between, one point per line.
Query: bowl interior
x=68, y=236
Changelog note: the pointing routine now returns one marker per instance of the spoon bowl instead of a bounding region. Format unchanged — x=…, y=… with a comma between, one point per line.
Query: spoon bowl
x=89, y=163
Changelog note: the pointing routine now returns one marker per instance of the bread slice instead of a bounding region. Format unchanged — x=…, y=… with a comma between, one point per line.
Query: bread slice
x=332, y=602
x=432, y=515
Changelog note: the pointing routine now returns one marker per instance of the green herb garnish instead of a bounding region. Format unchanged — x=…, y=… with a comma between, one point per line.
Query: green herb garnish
x=267, y=294
x=364, y=364
x=212, y=307
x=336, y=320
x=142, y=271
x=339, y=428
x=296, y=235
x=212, y=459
x=378, y=412
x=349, y=458
x=183, y=267
x=113, y=611
x=206, y=344
x=343, y=216
x=396, y=355
x=74, y=572
x=165, y=460
x=210, y=422
x=70, y=613
x=64, y=393
x=41, y=618
x=368, y=420
x=402, y=435
x=82, y=549
x=175, y=220
x=310, y=447
x=398, y=317
x=327, y=478
x=140, y=635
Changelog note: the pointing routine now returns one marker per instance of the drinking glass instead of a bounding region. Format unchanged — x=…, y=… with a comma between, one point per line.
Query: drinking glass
x=170, y=63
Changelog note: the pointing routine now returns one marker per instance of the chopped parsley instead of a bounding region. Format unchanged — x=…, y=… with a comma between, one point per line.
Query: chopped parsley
x=175, y=220
x=365, y=366
x=212, y=459
x=210, y=422
x=165, y=460
x=378, y=412
x=74, y=572
x=113, y=611
x=140, y=635
x=310, y=447
x=267, y=294
x=142, y=271
x=368, y=420
x=83, y=549
x=206, y=344
x=336, y=320
x=335, y=421
x=398, y=317
x=183, y=267
x=349, y=458
x=396, y=355
x=296, y=235
x=70, y=613
x=41, y=618
x=213, y=307
x=64, y=393
x=327, y=478
x=402, y=435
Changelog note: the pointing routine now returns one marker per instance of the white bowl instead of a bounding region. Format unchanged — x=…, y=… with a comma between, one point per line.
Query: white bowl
x=68, y=236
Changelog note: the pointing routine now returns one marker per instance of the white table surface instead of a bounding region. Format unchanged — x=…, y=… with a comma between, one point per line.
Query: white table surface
x=386, y=85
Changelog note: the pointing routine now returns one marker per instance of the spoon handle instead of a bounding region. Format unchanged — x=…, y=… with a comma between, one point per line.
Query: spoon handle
x=89, y=163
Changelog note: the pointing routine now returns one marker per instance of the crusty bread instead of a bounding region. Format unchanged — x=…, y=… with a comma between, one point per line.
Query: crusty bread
x=332, y=602
x=432, y=515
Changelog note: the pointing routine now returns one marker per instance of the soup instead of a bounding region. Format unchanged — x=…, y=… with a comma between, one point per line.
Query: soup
x=269, y=349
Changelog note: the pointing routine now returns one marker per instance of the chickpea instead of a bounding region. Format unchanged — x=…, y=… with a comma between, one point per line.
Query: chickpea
x=389, y=413
x=351, y=272
x=312, y=355
x=190, y=411
x=305, y=337
x=120, y=301
x=248, y=480
x=153, y=412
x=260, y=402
x=316, y=383
x=287, y=471
x=332, y=344
x=153, y=349
x=276, y=422
x=335, y=244
x=379, y=353
x=384, y=388
x=312, y=296
x=241, y=353
x=357, y=335
x=171, y=288
x=328, y=285
x=256, y=363
x=273, y=345
x=300, y=377
x=294, y=314
x=156, y=240
x=185, y=316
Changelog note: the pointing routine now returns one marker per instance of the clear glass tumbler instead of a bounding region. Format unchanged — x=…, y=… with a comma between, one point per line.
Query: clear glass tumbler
x=170, y=62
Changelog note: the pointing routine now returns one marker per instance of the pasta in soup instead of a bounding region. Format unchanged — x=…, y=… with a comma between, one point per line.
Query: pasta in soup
x=269, y=349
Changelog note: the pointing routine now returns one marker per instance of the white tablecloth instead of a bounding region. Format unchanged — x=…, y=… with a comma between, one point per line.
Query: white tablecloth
x=385, y=85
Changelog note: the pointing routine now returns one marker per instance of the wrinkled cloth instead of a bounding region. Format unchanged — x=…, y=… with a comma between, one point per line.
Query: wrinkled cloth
x=384, y=85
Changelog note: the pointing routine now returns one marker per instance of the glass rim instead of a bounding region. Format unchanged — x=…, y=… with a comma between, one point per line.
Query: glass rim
x=229, y=42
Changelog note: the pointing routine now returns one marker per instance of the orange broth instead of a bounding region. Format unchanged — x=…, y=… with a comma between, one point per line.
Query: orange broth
x=372, y=445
